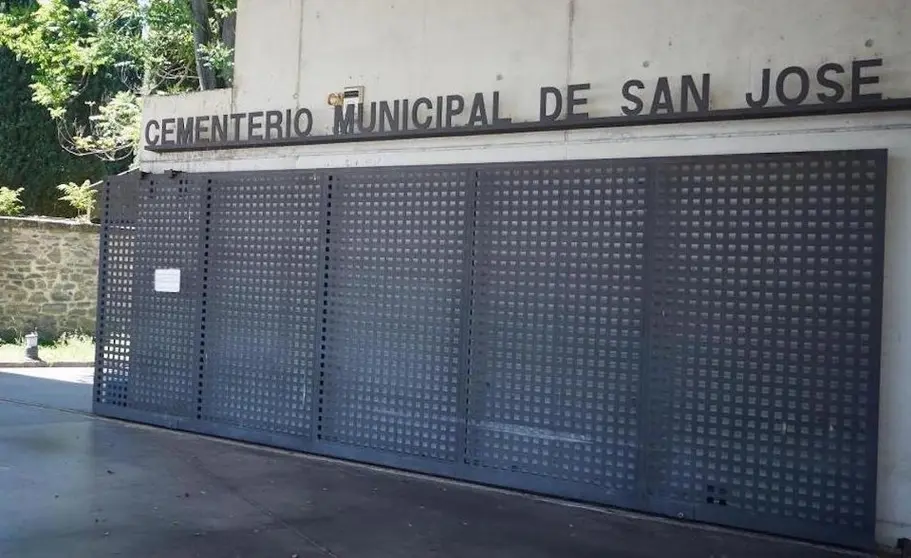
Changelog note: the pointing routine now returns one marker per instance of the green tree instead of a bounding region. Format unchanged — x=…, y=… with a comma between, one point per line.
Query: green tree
x=30, y=153
x=148, y=46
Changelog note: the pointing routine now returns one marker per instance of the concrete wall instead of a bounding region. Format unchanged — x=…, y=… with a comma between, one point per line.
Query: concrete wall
x=409, y=48
x=516, y=46
x=49, y=277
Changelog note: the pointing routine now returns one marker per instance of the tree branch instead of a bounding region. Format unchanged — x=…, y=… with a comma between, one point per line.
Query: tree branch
x=201, y=36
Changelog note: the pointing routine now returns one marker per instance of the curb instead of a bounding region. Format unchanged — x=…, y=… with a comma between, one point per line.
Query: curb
x=42, y=364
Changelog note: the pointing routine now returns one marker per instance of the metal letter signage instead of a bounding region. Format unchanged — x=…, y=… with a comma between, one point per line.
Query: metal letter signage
x=782, y=92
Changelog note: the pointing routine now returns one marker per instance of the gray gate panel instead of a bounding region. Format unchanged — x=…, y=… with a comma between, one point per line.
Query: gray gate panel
x=165, y=348
x=114, y=326
x=557, y=323
x=263, y=246
x=695, y=336
x=765, y=341
x=396, y=247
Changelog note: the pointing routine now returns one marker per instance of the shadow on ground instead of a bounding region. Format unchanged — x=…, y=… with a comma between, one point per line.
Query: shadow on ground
x=58, y=388
x=78, y=486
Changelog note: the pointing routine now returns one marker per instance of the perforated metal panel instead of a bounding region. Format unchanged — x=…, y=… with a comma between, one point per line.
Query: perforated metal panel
x=115, y=290
x=765, y=323
x=694, y=336
x=262, y=250
x=557, y=321
x=165, y=346
x=396, y=251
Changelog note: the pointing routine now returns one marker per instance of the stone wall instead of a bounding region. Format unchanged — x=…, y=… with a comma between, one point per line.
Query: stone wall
x=48, y=277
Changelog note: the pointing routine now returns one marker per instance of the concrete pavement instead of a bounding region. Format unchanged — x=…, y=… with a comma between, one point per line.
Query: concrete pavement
x=83, y=487
x=59, y=388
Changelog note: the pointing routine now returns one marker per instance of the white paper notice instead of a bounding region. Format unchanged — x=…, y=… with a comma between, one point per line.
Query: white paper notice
x=167, y=280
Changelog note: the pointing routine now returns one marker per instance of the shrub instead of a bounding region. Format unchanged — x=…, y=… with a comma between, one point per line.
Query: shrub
x=30, y=151
x=9, y=201
x=81, y=197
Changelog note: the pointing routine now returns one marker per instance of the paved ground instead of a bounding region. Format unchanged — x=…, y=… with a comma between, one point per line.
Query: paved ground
x=77, y=486
x=59, y=388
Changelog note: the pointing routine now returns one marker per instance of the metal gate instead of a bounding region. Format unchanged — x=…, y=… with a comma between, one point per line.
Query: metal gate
x=697, y=337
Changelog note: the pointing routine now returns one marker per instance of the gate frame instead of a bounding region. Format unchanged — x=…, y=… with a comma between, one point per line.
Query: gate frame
x=521, y=481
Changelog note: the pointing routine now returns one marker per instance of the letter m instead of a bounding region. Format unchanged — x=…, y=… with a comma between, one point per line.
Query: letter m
x=185, y=131
x=344, y=121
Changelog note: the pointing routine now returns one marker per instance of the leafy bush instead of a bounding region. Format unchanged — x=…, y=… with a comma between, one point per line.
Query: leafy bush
x=150, y=46
x=81, y=197
x=9, y=201
x=30, y=153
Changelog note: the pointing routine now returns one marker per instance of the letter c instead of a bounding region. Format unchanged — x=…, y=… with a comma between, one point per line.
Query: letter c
x=149, y=139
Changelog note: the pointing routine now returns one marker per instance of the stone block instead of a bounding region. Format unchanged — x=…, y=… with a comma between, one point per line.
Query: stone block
x=54, y=255
x=54, y=310
x=48, y=274
x=60, y=296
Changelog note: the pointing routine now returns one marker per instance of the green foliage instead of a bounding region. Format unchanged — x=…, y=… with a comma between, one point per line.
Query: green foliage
x=219, y=54
x=30, y=151
x=52, y=37
x=10, y=205
x=115, y=128
x=148, y=45
x=220, y=58
x=81, y=196
x=69, y=347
